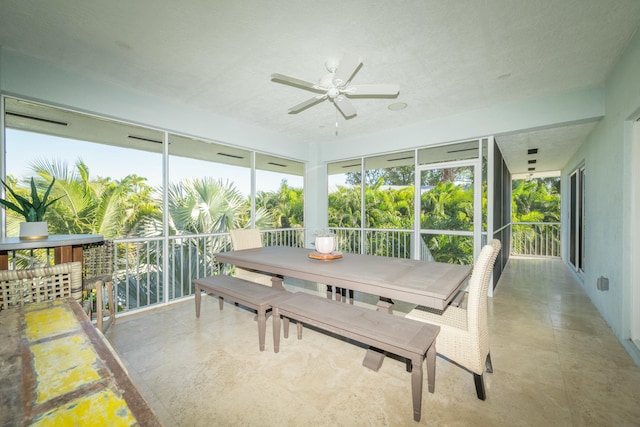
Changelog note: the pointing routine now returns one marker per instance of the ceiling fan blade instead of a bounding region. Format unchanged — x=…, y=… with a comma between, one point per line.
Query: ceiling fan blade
x=347, y=68
x=373, y=89
x=345, y=106
x=306, y=104
x=281, y=78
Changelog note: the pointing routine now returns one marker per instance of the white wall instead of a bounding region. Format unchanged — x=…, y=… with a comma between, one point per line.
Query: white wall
x=607, y=155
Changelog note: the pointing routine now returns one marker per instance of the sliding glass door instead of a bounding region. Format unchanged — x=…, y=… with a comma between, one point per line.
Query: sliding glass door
x=576, y=219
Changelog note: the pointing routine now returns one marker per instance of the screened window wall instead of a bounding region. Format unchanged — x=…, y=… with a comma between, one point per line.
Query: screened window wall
x=428, y=203
x=111, y=178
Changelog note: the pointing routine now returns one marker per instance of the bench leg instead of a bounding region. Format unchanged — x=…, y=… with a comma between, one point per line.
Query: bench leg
x=198, y=295
x=221, y=302
x=276, y=330
x=262, y=327
x=431, y=367
x=416, y=379
x=416, y=387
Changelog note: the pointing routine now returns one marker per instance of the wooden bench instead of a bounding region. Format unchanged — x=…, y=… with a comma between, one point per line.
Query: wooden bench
x=250, y=294
x=404, y=337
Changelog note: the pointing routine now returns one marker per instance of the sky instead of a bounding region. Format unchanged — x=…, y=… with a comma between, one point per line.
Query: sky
x=23, y=148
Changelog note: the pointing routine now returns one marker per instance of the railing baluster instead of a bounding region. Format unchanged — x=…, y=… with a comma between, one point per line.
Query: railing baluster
x=535, y=238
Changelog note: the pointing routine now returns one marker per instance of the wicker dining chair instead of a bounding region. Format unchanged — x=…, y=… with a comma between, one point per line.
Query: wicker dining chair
x=464, y=332
x=249, y=238
x=97, y=274
x=32, y=285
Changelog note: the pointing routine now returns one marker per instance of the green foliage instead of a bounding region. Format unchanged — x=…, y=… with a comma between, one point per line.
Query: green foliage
x=33, y=209
x=405, y=175
x=450, y=249
x=446, y=206
x=536, y=200
x=131, y=208
x=207, y=205
x=286, y=206
x=344, y=207
x=96, y=205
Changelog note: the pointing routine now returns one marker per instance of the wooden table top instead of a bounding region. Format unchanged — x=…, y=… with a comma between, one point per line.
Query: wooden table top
x=427, y=283
x=58, y=370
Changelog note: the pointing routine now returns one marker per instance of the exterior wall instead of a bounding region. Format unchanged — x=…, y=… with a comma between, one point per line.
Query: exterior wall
x=607, y=156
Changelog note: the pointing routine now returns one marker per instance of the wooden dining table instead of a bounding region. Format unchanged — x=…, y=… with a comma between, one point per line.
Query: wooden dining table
x=426, y=283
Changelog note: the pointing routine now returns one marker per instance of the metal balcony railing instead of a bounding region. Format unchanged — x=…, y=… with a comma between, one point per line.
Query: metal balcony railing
x=141, y=282
x=372, y=241
x=535, y=239
x=140, y=276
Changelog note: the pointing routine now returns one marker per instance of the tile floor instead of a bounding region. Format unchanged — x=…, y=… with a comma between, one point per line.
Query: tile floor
x=556, y=363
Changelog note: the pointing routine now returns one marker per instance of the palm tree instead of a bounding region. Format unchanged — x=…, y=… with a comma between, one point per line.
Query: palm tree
x=344, y=207
x=448, y=206
x=286, y=205
x=200, y=206
x=95, y=206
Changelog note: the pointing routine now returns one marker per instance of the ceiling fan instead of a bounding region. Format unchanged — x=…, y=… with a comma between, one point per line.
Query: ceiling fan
x=336, y=86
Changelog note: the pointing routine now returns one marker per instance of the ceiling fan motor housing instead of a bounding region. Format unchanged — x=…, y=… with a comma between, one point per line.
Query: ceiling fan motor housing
x=333, y=92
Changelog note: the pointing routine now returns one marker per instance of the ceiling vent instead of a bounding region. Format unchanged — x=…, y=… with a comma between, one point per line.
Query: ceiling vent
x=277, y=164
x=230, y=155
x=142, y=138
x=39, y=119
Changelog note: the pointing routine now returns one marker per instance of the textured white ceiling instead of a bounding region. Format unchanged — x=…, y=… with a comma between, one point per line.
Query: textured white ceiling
x=447, y=56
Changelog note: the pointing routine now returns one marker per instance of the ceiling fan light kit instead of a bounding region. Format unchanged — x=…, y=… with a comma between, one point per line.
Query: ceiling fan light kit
x=336, y=86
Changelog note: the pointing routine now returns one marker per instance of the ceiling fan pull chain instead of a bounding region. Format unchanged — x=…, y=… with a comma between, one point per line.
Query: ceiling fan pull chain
x=336, y=122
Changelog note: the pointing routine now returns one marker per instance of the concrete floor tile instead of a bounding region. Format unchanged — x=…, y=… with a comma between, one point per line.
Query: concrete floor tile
x=556, y=363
